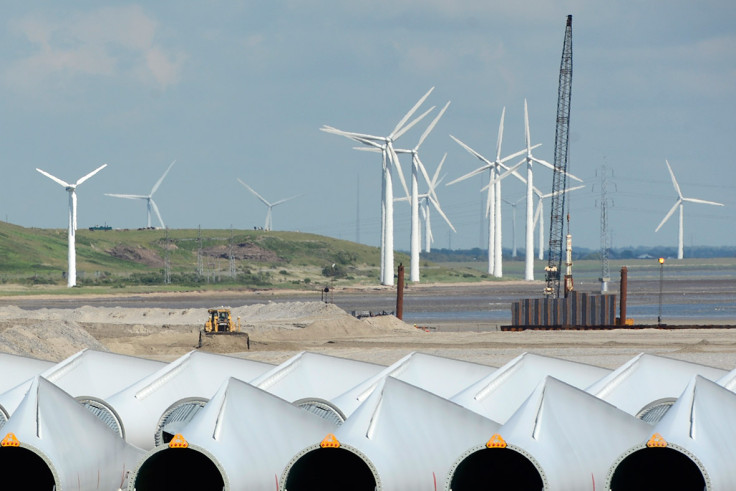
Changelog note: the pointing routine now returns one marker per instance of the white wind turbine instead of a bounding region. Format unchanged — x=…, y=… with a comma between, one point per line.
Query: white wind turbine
x=679, y=203
x=427, y=199
x=71, y=250
x=530, y=159
x=415, y=239
x=539, y=214
x=150, y=204
x=389, y=159
x=513, y=205
x=269, y=205
x=493, y=203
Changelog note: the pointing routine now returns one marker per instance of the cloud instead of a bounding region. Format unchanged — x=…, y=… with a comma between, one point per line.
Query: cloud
x=109, y=42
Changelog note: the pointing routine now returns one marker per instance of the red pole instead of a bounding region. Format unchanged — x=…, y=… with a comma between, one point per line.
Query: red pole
x=400, y=293
x=624, y=291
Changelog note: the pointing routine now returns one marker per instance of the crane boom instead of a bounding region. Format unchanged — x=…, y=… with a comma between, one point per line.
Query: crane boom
x=559, y=176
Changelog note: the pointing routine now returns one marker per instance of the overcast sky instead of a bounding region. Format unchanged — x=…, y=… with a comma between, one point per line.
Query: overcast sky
x=234, y=89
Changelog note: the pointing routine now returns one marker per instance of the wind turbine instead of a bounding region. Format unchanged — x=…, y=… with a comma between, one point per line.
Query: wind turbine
x=493, y=203
x=539, y=214
x=415, y=239
x=384, y=144
x=150, y=204
x=513, y=205
x=269, y=205
x=679, y=202
x=530, y=159
x=427, y=199
x=71, y=250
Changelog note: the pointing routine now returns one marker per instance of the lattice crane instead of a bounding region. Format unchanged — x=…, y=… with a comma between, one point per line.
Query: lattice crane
x=559, y=177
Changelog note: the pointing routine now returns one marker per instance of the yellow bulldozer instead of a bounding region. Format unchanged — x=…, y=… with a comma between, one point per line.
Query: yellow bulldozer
x=220, y=334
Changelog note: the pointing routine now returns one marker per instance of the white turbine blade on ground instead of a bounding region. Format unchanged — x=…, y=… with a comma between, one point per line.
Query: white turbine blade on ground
x=442, y=213
x=431, y=126
x=674, y=181
x=82, y=179
x=669, y=214
x=158, y=213
x=54, y=178
x=254, y=192
x=158, y=183
x=411, y=125
x=286, y=199
x=410, y=113
x=702, y=201
x=127, y=196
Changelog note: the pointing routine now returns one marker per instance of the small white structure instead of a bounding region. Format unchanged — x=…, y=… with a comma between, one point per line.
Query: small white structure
x=242, y=439
x=692, y=447
x=52, y=442
x=172, y=395
x=647, y=385
x=500, y=394
x=15, y=369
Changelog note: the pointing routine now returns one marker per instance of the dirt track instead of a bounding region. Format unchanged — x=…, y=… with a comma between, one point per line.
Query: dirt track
x=282, y=324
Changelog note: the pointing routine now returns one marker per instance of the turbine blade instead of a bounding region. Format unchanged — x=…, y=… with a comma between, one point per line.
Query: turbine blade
x=395, y=159
x=500, y=134
x=349, y=134
x=82, y=179
x=431, y=126
x=472, y=152
x=411, y=112
x=674, y=181
x=702, y=201
x=158, y=183
x=436, y=205
x=550, y=166
x=411, y=125
x=254, y=192
x=469, y=175
x=158, y=213
x=286, y=199
x=527, y=135
x=502, y=176
x=423, y=170
x=434, y=182
x=128, y=196
x=669, y=214
x=54, y=178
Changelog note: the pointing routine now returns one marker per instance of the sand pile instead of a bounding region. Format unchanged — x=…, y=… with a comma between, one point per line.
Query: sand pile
x=54, y=334
x=53, y=340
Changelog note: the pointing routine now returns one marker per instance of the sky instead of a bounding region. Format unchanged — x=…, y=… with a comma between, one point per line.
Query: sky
x=240, y=89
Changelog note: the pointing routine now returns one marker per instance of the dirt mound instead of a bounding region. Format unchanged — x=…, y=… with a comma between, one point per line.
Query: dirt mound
x=243, y=251
x=136, y=254
x=53, y=341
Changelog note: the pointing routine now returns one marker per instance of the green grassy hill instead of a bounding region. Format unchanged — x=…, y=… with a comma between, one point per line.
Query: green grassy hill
x=196, y=259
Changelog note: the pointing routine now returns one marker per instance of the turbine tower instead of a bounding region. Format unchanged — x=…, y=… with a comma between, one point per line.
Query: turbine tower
x=679, y=203
x=415, y=239
x=269, y=223
x=150, y=204
x=513, y=205
x=493, y=204
x=384, y=144
x=530, y=159
x=71, y=275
